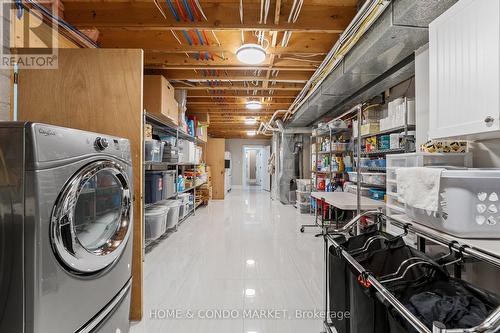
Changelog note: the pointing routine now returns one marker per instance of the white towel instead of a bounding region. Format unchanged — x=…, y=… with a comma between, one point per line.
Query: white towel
x=419, y=187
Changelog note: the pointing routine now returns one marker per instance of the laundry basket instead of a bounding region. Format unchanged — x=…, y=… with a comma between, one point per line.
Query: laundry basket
x=469, y=204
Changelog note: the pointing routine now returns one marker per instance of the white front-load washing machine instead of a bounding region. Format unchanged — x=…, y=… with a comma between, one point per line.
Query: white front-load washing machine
x=65, y=230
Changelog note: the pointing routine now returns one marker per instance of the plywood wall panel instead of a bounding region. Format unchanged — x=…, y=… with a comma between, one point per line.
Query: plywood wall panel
x=97, y=90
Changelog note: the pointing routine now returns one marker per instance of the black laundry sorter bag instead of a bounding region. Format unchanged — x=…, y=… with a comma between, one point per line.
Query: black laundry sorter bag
x=454, y=302
x=430, y=294
x=340, y=277
x=368, y=312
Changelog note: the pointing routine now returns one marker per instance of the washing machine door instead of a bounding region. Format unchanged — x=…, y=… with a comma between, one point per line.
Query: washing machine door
x=91, y=220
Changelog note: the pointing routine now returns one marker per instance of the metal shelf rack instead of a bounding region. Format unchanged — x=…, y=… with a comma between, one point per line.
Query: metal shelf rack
x=162, y=125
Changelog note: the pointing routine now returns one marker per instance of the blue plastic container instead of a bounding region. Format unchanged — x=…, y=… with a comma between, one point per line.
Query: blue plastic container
x=153, y=187
x=384, y=142
x=376, y=194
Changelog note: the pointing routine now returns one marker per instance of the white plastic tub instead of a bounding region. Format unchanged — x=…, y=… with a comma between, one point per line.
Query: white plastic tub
x=155, y=221
x=173, y=212
x=469, y=204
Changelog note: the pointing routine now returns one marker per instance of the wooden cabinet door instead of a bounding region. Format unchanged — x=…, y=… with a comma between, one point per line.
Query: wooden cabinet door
x=215, y=159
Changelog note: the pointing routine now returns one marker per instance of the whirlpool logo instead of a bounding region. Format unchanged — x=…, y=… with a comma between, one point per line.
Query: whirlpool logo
x=46, y=132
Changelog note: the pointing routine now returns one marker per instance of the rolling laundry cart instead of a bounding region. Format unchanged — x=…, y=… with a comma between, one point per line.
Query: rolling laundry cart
x=385, y=279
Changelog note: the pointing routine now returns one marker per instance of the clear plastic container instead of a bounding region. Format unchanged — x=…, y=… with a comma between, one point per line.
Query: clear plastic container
x=353, y=189
x=303, y=197
x=304, y=208
x=376, y=194
x=155, y=221
x=353, y=176
x=153, y=151
x=173, y=212
x=374, y=178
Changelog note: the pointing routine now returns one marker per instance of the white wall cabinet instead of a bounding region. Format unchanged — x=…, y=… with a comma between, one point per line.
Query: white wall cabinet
x=464, y=47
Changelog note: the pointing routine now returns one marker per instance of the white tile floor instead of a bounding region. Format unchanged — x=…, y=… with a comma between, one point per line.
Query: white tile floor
x=243, y=253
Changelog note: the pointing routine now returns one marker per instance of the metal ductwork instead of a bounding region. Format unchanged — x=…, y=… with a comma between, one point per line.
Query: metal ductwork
x=381, y=59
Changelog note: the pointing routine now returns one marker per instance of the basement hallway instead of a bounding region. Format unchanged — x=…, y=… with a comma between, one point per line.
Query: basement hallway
x=241, y=254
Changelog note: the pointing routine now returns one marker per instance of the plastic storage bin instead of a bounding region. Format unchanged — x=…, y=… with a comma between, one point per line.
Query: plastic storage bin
x=153, y=187
x=384, y=142
x=173, y=212
x=303, y=197
x=184, y=197
x=469, y=205
x=155, y=221
x=184, y=210
x=353, y=176
x=376, y=194
x=373, y=178
x=153, y=151
x=304, y=185
x=169, y=184
x=353, y=189
x=304, y=208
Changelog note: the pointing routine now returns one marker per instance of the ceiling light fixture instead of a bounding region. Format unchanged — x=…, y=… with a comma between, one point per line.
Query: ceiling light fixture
x=251, y=133
x=250, y=292
x=250, y=262
x=250, y=121
x=251, y=54
x=254, y=105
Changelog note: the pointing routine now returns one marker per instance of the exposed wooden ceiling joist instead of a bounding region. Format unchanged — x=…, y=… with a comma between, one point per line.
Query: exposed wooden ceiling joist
x=144, y=15
x=177, y=60
x=223, y=67
x=239, y=94
x=230, y=75
x=181, y=58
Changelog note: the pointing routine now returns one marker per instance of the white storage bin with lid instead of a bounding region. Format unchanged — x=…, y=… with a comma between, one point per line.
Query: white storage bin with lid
x=469, y=205
x=155, y=221
x=172, y=218
x=184, y=197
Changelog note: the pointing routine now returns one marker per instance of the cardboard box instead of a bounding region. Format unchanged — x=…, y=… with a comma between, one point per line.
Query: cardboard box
x=159, y=98
x=148, y=132
x=370, y=129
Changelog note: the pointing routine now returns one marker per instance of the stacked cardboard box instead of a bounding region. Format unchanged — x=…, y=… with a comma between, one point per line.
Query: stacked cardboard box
x=205, y=193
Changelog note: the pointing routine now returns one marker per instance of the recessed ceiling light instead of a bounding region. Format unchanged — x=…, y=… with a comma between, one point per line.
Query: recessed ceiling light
x=251, y=133
x=249, y=292
x=250, y=121
x=254, y=105
x=251, y=54
x=250, y=262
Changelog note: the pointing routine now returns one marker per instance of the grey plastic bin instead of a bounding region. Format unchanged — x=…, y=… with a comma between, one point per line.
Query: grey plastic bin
x=469, y=204
x=155, y=221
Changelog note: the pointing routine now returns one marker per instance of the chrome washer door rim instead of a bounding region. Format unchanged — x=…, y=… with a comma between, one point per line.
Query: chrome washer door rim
x=65, y=243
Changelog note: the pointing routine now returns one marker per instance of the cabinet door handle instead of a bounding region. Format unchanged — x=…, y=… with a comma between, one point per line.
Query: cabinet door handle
x=489, y=120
